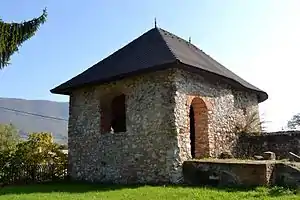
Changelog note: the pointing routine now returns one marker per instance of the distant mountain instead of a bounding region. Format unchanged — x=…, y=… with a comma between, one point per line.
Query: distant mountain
x=27, y=123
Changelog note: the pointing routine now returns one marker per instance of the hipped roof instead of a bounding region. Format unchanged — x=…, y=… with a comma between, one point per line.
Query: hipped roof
x=156, y=49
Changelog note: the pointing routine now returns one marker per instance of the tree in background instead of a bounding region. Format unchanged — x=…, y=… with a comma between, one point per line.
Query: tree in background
x=9, y=137
x=39, y=149
x=294, y=123
x=63, y=146
x=36, y=155
x=13, y=35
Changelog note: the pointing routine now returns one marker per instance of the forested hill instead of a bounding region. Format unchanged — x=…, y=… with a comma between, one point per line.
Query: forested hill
x=32, y=123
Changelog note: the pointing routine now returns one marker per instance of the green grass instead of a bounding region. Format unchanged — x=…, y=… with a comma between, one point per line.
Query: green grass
x=72, y=191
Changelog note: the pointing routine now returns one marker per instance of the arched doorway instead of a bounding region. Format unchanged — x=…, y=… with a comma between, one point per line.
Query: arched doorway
x=192, y=131
x=199, y=128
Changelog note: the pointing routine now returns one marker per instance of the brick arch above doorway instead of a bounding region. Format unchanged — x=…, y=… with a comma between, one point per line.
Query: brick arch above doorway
x=199, y=139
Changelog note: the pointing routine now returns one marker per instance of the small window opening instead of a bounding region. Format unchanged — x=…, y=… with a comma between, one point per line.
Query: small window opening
x=118, y=114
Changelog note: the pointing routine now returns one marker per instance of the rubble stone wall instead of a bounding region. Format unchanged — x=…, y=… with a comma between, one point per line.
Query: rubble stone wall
x=146, y=153
x=281, y=143
x=225, y=108
x=157, y=137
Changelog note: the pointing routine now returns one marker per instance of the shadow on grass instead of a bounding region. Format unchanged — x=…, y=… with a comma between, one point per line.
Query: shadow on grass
x=79, y=187
x=66, y=186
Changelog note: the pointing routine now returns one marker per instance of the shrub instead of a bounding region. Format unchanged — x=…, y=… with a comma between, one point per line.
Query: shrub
x=9, y=137
x=38, y=154
x=251, y=125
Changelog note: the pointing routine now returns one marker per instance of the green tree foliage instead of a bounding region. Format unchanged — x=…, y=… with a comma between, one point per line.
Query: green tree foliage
x=9, y=137
x=294, y=122
x=38, y=153
x=39, y=149
x=13, y=35
x=64, y=147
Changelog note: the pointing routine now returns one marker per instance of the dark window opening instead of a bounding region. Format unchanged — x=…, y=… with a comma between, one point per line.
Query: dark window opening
x=118, y=114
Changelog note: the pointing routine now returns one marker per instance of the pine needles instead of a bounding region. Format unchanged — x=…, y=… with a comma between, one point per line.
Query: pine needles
x=13, y=35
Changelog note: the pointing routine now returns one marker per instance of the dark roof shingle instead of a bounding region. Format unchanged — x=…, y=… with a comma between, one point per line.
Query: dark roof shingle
x=153, y=50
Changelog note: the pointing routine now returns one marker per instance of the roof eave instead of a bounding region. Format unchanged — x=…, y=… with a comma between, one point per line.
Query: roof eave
x=65, y=90
x=59, y=91
x=262, y=96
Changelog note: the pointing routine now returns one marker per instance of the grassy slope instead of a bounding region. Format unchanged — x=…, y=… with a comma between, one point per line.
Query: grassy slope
x=80, y=191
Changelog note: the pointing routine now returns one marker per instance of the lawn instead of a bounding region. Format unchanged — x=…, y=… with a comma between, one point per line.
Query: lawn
x=85, y=191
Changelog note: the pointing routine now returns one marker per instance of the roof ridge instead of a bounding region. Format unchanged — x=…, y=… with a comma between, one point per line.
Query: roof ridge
x=223, y=68
x=191, y=45
x=188, y=43
x=162, y=32
x=219, y=65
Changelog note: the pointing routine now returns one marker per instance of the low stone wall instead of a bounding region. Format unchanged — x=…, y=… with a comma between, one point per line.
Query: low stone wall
x=287, y=174
x=227, y=172
x=281, y=143
x=241, y=173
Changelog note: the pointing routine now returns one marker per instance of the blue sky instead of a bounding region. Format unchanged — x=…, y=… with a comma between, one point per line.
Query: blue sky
x=258, y=40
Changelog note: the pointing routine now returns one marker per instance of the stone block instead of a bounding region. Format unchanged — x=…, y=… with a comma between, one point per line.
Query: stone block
x=256, y=157
x=226, y=155
x=287, y=175
x=269, y=155
x=294, y=157
x=226, y=173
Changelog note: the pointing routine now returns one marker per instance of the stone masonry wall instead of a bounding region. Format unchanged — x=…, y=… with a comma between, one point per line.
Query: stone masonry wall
x=157, y=137
x=225, y=108
x=235, y=172
x=146, y=153
x=281, y=143
x=229, y=172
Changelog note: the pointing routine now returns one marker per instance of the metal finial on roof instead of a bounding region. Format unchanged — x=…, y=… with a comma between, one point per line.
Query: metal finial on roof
x=155, y=24
x=190, y=40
